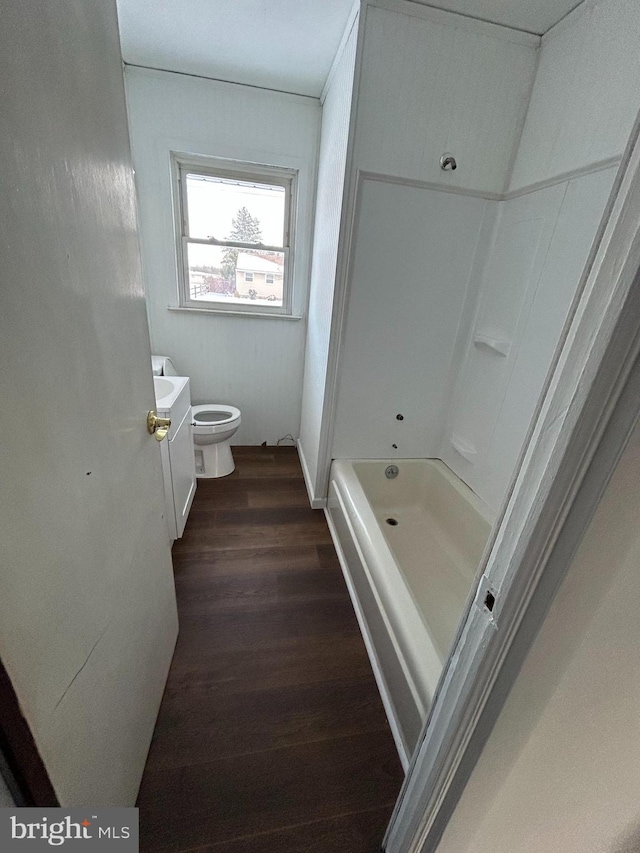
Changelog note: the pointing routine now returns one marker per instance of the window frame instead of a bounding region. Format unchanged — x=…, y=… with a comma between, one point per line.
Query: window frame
x=181, y=165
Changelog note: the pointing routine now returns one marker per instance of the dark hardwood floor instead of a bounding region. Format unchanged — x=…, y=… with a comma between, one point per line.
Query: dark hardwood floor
x=271, y=735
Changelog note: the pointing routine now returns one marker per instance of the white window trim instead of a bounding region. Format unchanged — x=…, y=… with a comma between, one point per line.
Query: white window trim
x=277, y=176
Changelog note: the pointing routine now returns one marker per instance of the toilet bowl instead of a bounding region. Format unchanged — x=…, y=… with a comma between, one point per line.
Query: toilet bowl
x=213, y=424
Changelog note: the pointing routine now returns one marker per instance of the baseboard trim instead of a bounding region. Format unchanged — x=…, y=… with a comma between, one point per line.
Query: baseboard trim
x=316, y=503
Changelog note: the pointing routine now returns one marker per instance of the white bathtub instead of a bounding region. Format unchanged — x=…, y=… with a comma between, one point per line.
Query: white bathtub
x=409, y=582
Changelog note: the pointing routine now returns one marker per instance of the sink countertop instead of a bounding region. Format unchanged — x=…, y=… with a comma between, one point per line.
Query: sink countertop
x=166, y=397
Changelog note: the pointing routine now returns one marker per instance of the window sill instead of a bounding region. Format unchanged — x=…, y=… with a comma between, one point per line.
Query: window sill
x=262, y=314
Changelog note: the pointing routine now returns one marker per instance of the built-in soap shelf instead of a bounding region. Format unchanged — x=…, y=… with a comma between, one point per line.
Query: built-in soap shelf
x=498, y=346
x=466, y=450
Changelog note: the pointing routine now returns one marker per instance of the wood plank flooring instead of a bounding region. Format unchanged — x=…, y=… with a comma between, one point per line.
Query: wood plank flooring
x=271, y=735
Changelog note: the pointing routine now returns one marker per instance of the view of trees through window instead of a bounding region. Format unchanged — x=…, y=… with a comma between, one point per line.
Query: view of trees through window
x=233, y=211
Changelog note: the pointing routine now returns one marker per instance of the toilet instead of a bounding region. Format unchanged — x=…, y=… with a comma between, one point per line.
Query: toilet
x=213, y=425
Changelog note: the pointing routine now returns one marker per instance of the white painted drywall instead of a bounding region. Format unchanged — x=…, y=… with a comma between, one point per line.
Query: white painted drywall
x=538, y=252
x=413, y=270
x=560, y=769
x=87, y=605
x=253, y=363
x=429, y=82
x=534, y=16
x=434, y=82
x=336, y=116
x=288, y=45
x=585, y=98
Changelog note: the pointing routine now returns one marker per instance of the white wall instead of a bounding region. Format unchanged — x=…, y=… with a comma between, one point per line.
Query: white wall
x=430, y=82
x=583, y=105
x=585, y=97
x=560, y=769
x=434, y=82
x=415, y=258
x=537, y=255
x=336, y=116
x=253, y=363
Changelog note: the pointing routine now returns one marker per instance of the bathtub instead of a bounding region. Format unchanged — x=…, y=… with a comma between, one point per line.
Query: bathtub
x=409, y=548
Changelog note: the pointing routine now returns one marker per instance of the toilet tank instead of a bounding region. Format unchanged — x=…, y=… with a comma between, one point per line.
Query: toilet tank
x=163, y=366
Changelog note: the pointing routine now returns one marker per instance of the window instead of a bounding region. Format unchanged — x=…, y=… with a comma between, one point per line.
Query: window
x=234, y=235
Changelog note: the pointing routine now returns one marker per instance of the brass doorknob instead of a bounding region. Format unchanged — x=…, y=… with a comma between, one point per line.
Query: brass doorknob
x=157, y=426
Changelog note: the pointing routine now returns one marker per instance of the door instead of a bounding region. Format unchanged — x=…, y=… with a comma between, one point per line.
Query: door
x=87, y=606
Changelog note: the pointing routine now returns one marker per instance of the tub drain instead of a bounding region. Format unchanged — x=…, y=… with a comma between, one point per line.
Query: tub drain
x=392, y=521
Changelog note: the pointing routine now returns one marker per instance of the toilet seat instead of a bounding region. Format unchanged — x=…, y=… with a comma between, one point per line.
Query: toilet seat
x=213, y=417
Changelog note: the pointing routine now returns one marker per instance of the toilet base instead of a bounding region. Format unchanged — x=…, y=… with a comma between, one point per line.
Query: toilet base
x=214, y=460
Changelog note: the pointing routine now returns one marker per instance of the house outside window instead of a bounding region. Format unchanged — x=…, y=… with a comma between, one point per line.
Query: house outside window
x=234, y=228
x=265, y=276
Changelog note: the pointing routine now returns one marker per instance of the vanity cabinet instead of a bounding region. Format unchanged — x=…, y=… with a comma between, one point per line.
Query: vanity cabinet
x=178, y=461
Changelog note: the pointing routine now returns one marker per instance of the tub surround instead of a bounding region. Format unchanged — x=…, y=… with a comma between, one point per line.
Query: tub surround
x=408, y=297
x=523, y=119
x=409, y=548
x=407, y=109
x=539, y=249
